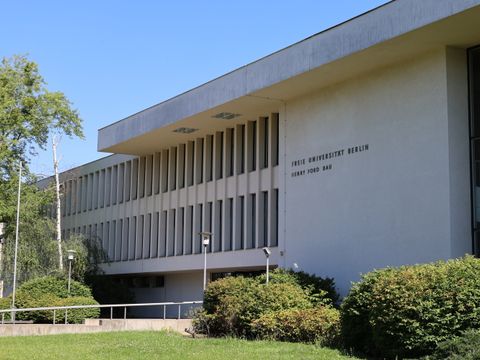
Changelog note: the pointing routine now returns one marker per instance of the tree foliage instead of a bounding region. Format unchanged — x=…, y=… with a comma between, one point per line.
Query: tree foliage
x=36, y=246
x=29, y=114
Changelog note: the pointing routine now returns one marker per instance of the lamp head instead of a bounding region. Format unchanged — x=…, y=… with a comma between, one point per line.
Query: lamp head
x=71, y=254
x=206, y=236
x=267, y=251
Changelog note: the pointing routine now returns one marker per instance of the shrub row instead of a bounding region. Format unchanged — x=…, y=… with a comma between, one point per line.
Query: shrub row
x=320, y=325
x=248, y=308
x=403, y=312
x=52, y=291
x=407, y=311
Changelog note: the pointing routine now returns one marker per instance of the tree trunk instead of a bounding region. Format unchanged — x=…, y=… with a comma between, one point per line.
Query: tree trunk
x=58, y=204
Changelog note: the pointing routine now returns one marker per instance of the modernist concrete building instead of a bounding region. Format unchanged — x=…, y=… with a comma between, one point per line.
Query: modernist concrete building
x=354, y=149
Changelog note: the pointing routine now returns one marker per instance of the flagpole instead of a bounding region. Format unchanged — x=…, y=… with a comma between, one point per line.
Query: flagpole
x=16, y=239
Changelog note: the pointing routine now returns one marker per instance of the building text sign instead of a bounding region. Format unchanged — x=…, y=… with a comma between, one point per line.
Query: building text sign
x=323, y=162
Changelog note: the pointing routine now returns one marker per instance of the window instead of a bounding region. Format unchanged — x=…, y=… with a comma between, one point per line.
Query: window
x=148, y=175
x=126, y=236
x=240, y=149
x=264, y=143
x=474, y=75
x=139, y=239
x=141, y=177
x=190, y=162
x=165, y=167
x=173, y=168
x=147, y=236
x=134, y=179
x=199, y=145
x=128, y=180
x=155, y=235
x=180, y=231
x=275, y=139
x=219, y=155
x=182, y=156
x=164, y=234
x=252, y=145
x=252, y=221
x=209, y=157
x=217, y=239
x=171, y=233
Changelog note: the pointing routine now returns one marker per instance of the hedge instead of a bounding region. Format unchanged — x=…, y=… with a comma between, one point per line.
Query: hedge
x=320, y=290
x=408, y=311
x=52, y=285
x=231, y=304
x=52, y=291
x=75, y=316
x=319, y=325
x=5, y=303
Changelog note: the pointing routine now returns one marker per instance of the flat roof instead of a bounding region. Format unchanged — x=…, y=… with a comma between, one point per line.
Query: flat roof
x=260, y=85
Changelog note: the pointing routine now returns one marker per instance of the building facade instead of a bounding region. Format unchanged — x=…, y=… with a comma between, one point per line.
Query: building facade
x=357, y=148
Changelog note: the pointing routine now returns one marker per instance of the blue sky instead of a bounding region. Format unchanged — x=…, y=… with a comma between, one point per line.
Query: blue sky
x=115, y=58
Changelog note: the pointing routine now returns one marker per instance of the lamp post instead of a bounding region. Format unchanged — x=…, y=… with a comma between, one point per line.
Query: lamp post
x=70, y=257
x=206, y=237
x=267, y=253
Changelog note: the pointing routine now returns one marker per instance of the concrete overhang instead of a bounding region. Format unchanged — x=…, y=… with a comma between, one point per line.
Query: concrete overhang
x=394, y=32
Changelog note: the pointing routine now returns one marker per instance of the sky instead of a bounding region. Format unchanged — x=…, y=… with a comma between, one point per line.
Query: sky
x=114, y=58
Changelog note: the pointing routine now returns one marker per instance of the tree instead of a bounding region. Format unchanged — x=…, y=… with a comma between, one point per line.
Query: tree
x=37, y=250
x=29, y=114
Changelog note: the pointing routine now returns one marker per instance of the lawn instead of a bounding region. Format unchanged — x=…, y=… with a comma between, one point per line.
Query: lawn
x=153, y=345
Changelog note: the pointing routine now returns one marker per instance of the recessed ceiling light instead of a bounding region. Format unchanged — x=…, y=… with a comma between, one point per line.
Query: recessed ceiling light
x=184, y=130
x=226, y=116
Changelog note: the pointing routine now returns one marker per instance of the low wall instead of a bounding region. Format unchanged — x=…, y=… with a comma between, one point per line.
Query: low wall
x=96, y=325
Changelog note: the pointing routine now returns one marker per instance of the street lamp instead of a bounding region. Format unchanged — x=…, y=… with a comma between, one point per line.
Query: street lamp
x=267, y=253
x=70, y=257
x=206, y=237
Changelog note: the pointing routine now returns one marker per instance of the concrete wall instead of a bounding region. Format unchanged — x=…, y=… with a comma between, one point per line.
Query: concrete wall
x=96, y=325
x=404, y=200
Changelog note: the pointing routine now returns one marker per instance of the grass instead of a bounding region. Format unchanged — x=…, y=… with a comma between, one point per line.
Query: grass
x=153, y=345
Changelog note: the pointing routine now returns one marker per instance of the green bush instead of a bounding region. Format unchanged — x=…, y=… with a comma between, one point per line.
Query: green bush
x=407, y=311
x=75, y=316
x=25, y=300
x=464, y=347
x=320, y=290
x=319, y=325
x=56, y=286
x=231, y=304
x=5, y=303
x=45, y=292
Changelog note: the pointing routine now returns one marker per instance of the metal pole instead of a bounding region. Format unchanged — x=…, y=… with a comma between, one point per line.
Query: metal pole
x=268, y=266
x=16, y=240
x=204, y=267
x=69, y=275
